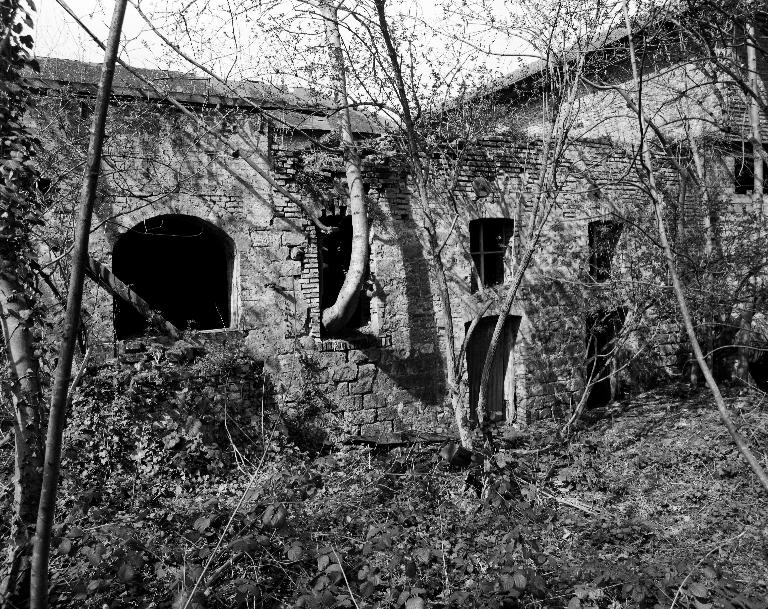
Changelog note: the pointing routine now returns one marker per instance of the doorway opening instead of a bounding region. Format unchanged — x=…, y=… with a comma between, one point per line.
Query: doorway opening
x=603, y=328
x=501, y=383
x=182, y=266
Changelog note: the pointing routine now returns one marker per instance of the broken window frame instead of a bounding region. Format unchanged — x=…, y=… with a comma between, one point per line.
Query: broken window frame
x=481, y=231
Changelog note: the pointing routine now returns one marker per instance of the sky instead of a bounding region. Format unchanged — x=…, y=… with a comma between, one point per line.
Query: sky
x=59, y=36
x=233, y=48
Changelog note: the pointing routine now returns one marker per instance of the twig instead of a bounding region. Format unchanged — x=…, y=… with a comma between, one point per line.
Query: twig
x=346, y=581
x=265, y=174
x=573, y=503
x=226, y=529
x=707, y=555
x=78, y=377
x=439, y=250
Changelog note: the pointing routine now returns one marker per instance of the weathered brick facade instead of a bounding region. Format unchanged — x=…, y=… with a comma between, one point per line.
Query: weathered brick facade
x=388, y=374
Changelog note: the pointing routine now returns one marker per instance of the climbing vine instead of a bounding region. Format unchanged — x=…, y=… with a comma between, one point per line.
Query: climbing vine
x=19, y=180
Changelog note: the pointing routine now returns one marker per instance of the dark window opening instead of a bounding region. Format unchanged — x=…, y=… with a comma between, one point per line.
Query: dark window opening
x=603, y=239
x=488, y=240
x=335, y=251
x=603, y=328
x=758, y=369
x=744, y=179
x=182, y=267
x=85, y=110
x=501, y=389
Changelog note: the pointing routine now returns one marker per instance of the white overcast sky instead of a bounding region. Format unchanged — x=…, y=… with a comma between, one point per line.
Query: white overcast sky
x=230, y=48
x=59, y=36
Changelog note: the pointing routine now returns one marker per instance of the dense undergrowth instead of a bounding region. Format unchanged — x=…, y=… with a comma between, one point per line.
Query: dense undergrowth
x=171, y=497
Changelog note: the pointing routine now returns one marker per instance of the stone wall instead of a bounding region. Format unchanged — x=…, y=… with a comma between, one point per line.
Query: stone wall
x=386, y=375
x=557, y=294
x=389, y=374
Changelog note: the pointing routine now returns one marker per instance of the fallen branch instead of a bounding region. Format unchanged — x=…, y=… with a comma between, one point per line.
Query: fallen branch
x=346, y=581
x=78, y=377
x=243, y=495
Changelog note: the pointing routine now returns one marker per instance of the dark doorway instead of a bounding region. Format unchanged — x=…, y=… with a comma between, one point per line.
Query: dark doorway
x=335, y=251
x=182, y=266
x=602, y=330
x=501, y=381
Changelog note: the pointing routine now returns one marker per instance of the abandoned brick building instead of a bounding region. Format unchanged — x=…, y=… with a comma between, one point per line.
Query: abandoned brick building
x=206, y=240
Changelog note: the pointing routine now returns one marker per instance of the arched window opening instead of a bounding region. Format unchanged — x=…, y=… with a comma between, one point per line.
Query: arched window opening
x=182, y=266
x=335, y=251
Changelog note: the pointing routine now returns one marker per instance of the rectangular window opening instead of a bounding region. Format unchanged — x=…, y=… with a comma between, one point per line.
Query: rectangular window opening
x=744, y=174
x=603, y=238
x=488, y=241
x=334, y=254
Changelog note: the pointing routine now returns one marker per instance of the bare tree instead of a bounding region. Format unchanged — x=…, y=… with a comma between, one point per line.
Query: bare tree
x=563, y=68
x=52, y=466
x=337, y=315
x=658, y=206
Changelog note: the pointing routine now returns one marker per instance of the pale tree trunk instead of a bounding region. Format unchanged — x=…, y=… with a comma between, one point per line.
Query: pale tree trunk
x=754, y=116
x=27, y=402
x=743, y=336
x=338, y=314
x=52, y=465
x=21, y=385
x=658, y=206
x=453, y=365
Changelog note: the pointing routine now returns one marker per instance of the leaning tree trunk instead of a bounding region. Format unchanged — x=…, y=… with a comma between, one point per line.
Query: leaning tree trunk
x=104, y=276
x=52, y=466
x=504, y=309
x=545, y=198
x=709, y=248
x=27, y=401
x=338, y=314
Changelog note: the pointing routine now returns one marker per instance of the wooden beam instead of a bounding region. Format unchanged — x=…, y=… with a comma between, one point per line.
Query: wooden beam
x=107, y=279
